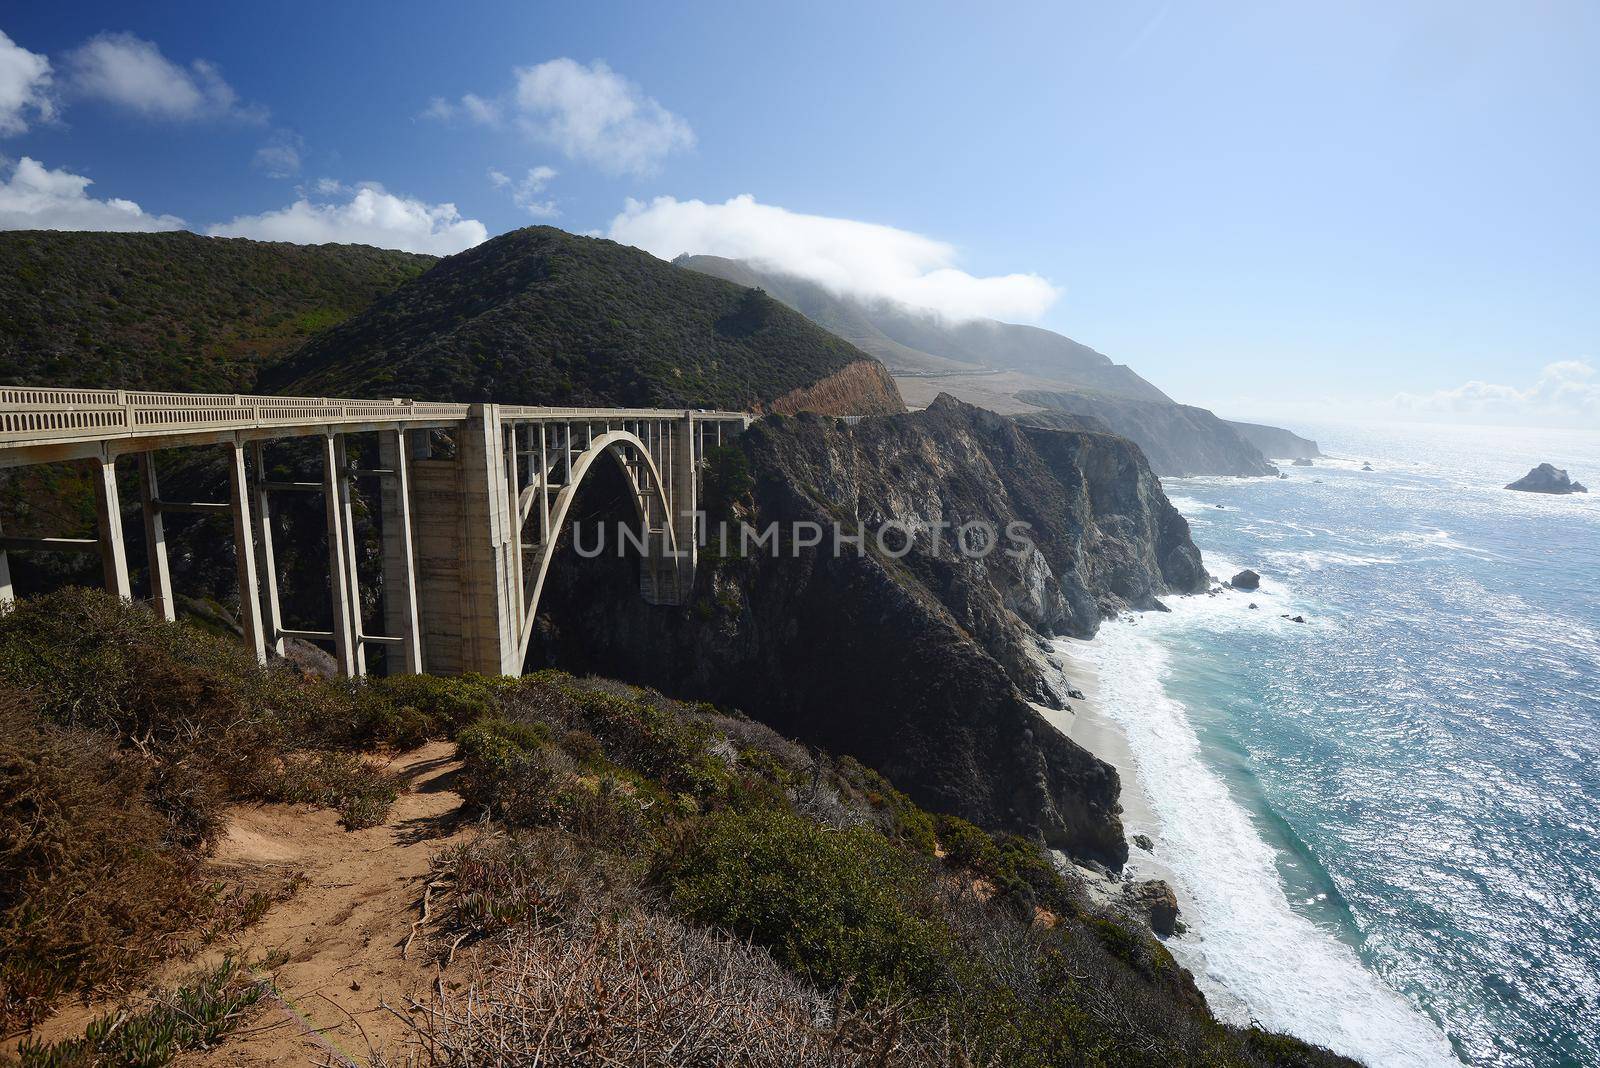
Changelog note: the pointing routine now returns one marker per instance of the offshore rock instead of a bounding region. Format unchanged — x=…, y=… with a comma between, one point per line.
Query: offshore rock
x=1547, y=478
x=1246, y=580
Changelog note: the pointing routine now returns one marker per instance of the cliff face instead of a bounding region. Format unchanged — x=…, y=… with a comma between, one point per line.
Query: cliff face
x=1178, y=439
x=1276, y=442
x=921, y=666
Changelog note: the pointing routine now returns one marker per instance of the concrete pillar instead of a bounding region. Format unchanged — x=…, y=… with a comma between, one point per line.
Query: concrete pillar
x=8, y=595
x=245, y=553
x=155, y=538
x=514, y=558
x=108, y=512
x=400, y=614
x=347, y=502
x=490, y=642
x=685, y=498
x=344, y=639
x=269, y=561
x=544, y=485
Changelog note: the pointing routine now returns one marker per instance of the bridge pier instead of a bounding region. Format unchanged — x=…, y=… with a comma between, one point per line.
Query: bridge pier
x=400, y=613
x=155, y=538
x=108, y=515
x=333, y=487
x=244, y=548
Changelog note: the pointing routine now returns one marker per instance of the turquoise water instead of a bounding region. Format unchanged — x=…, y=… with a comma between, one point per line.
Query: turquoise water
x=1387, y=819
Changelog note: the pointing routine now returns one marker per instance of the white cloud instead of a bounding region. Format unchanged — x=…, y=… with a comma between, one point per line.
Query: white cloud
x=594, y=114
x=133, y=74
x=37, y=198
x=280, y=156
x=470, y=106
x=371, y=216
x=589, y=113
x=849, y=258
x=24, y=87
x=1565, y=391
x=525, y=193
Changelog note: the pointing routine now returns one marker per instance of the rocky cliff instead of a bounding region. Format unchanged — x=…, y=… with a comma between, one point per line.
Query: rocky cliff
x=1178, y=439
x=1275, y=442
x=920, y=664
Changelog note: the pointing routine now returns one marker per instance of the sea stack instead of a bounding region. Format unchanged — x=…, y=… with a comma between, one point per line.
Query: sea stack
x=1246, y=580
x=1547, y=478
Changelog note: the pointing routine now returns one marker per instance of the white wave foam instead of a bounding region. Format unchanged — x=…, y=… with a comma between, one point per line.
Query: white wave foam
x=1254, y=956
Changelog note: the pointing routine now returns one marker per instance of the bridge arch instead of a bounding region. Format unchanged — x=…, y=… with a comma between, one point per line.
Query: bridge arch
x=615, y=444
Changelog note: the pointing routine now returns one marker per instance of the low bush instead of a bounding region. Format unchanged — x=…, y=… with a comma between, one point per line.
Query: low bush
x=92, y=887
x=357, y=790
x=193, y=1016
x=836, y=905
x=1015, y=866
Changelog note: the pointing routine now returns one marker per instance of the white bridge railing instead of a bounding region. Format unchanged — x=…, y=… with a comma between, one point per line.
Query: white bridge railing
x=39, y=416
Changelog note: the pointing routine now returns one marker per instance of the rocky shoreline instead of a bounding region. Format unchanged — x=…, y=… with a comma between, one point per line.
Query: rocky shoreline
x=1146, y=888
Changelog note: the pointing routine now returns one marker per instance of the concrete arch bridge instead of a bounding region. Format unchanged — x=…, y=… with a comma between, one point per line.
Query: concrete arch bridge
x=469, y=531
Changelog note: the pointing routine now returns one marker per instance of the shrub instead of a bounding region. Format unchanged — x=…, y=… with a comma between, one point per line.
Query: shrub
x=360, y=793
x=441, y=707
x=91, y=887
x=1016, y=866
x=836, y=905
x=190, y=1017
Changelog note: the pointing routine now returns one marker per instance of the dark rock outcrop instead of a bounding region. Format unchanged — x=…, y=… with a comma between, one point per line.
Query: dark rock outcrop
x=1547, y=478
x=1154, y=902
x=1302, y=461
x=1178, y=439
x=923, y=665
x=1246, y=580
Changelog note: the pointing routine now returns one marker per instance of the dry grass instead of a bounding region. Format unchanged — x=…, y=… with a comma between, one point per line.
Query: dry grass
x=643, y=989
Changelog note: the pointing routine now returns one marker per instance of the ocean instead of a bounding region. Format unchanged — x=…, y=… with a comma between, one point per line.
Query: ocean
x=1384, y=822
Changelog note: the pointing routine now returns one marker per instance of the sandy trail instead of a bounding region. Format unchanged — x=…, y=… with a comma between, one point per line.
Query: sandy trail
x=344, y=929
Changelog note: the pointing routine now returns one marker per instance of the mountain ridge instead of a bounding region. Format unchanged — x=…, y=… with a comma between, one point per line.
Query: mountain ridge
x=541, y=316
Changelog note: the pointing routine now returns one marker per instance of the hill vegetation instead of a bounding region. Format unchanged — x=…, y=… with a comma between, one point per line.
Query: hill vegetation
x=174, y=311
x=541, y=316
x=651, y=878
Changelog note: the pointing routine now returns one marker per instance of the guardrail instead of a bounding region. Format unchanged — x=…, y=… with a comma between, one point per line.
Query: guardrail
x=40, y=416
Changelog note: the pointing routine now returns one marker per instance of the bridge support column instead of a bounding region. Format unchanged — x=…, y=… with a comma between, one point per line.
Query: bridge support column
x=269, y=561
x=245, y=554
x=685, y=499
x=108, y=511
x=344, y=635
x=155, y=538
x=400, y=613
x=490, y=641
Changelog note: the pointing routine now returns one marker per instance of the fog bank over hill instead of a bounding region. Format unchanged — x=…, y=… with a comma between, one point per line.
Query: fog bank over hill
x=1021, y=370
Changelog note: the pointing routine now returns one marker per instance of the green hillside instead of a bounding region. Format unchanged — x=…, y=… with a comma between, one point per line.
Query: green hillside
x=541, y=316
x=176, y=310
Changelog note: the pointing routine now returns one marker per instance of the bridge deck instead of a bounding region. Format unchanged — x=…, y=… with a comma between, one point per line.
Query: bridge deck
x=41, y=425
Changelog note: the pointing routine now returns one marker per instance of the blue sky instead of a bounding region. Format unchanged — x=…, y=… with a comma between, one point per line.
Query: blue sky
x=1266, y=208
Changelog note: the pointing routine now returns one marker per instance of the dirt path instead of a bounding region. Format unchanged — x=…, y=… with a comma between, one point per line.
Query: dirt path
x=344, y=929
